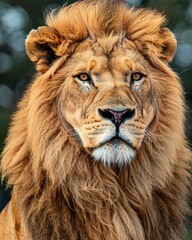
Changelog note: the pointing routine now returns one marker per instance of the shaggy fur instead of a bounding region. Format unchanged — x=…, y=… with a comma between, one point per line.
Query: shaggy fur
x=59, y=191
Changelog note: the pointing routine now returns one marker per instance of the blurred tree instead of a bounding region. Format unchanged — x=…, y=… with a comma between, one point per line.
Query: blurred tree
x=18, y=17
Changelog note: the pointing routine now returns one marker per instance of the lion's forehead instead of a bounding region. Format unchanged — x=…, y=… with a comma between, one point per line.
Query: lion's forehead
x=121, y=59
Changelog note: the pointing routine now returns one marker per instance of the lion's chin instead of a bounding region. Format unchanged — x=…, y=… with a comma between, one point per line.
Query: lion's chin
x=114, y=152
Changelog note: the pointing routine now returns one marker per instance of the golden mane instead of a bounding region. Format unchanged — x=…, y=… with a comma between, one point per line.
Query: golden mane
x=97, y=19
x=60, y=190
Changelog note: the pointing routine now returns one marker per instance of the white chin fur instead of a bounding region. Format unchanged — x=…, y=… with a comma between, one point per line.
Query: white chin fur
x=113, y=154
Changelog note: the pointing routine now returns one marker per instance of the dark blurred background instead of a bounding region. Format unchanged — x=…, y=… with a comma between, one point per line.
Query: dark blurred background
x=18, y=17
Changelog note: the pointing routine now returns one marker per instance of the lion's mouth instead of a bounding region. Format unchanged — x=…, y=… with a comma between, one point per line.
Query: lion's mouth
x=116, y=141
x=115, y=150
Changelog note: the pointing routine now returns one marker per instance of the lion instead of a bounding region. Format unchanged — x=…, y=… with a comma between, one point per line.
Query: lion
x=97, y=148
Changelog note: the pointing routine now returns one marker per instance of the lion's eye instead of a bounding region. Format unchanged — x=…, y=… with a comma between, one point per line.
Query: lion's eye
x=83, y=77
x=136, y=76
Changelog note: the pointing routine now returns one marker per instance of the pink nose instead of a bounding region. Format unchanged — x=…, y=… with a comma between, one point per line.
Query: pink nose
x=117, y=117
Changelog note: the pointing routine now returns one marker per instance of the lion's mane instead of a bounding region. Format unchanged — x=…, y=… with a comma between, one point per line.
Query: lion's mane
x=61, y=191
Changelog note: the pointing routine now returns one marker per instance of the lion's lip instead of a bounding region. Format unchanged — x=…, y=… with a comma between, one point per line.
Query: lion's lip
x=117, y=139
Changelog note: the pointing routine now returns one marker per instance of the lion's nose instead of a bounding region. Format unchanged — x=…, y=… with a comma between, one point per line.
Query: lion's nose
x=117, y=117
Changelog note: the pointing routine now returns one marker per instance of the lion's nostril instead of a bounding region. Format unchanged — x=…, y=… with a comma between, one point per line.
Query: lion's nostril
x=117, y=117
x=105, y=113
x=130, y=113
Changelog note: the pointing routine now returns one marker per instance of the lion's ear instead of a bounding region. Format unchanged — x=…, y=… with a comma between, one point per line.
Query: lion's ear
x=169, y=44
x=41, y=46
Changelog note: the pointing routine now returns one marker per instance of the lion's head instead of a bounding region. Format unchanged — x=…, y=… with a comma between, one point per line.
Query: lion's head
x=109, y=89
x=104, y=95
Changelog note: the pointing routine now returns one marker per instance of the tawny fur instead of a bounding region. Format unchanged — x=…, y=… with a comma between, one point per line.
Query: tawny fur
x=59, y=191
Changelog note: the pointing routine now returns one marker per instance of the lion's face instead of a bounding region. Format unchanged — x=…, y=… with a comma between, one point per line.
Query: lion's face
x=107, y=101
